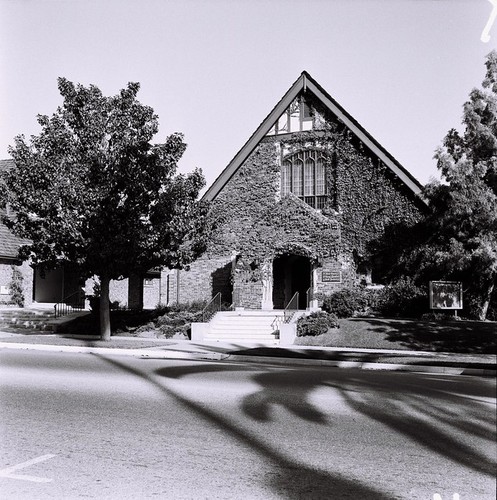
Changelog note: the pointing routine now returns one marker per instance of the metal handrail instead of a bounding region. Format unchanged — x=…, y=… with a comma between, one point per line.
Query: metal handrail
x=291, y=308
x=309, y=297
x=62, y=308
x=235, y=300
x=211, y=308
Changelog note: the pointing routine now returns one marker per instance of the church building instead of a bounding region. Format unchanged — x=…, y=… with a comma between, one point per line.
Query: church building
x=294, y=210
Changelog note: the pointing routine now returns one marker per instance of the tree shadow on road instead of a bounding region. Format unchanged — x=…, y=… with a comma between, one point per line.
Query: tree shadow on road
x=286, y=477
x=413, y=406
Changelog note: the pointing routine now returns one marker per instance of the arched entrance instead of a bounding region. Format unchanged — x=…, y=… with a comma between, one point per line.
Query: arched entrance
x=291, y=273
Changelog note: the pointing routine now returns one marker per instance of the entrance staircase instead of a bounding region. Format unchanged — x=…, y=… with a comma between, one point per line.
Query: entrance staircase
x=34, y=318
x=245, y=326
x=29, y=318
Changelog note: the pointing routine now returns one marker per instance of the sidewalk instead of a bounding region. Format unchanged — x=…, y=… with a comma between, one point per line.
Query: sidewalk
x=373, y=359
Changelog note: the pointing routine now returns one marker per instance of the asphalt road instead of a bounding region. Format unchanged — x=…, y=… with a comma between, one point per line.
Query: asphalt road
x=86, y=426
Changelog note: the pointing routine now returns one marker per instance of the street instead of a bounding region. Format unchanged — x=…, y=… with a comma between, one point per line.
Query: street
x=116, y=427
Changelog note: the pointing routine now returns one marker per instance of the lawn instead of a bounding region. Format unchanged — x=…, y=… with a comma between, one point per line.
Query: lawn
x=369, y=333
x=403, y=334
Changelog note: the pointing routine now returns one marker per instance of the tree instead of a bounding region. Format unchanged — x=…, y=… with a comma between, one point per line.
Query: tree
x=457, y=239
x=91, y=190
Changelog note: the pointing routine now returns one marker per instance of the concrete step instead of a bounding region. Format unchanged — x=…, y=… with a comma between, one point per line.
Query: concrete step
x=246, y=326
x=27, y=318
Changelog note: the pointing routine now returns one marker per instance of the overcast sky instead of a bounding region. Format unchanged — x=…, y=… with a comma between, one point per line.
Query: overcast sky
x=214, y=69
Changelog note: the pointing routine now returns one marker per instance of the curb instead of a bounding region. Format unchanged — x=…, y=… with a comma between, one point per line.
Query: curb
x=138, y=353
x=216, y=356
x=366, y=365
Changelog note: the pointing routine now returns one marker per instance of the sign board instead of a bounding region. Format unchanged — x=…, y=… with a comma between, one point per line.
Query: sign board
x=332, y=275
x=4, y=290
x=445, y=295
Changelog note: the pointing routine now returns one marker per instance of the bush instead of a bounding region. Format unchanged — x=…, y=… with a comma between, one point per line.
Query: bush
x=403, y=298
x=15, y=287
x=347, y=302
x=440, y=316
x=316, y=323
x=195, y=306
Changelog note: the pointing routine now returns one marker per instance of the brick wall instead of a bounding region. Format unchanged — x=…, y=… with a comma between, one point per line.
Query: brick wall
x=207, y=276
x=118, y=292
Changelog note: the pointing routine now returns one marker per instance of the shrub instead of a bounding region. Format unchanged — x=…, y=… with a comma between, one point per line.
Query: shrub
x=440, y=316
x=403, y=298
x=195, y=306
x=347, y=302
x=316, y=323
x=15, y=287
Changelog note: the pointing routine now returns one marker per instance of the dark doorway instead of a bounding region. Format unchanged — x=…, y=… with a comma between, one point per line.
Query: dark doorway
x=221, y=282
x=291, y=273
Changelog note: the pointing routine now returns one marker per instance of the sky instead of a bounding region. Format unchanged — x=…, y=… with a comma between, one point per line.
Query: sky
x=214, y=69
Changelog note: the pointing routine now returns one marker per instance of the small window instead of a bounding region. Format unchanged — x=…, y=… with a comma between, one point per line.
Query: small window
x=305, y=111
x=304, y=175
x=297, y=118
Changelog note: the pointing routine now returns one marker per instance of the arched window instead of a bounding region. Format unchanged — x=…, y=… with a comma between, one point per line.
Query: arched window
x=304, y=175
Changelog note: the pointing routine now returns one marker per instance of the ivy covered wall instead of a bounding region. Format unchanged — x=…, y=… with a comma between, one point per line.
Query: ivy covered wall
x=253, y=222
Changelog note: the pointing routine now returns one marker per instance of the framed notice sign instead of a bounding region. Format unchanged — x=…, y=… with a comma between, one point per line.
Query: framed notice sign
x=445, y=295
x=332, y=275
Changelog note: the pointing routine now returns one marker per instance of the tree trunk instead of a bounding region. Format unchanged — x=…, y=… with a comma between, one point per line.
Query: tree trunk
x=104, y=308
x=482, y=313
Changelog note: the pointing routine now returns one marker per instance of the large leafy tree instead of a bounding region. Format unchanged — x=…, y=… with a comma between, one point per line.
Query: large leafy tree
x=91, y=190
x=457, y=239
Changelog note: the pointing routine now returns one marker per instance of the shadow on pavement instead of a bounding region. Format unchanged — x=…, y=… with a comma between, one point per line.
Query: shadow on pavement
x=414, y=406
x=289, y=478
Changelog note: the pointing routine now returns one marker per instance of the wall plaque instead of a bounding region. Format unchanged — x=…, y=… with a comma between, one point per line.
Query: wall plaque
x=332, y=276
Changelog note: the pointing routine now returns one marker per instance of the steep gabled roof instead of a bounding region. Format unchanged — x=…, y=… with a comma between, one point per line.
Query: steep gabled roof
x=9, y=243
x=307, y=84
x=6, y=165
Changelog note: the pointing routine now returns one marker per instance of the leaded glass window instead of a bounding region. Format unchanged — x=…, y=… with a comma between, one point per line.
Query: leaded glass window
x=304, y=175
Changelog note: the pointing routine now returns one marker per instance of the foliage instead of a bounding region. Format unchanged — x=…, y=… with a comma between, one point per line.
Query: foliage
x=193, y=307
x=439, y=316
x=172, y=321
x=457, y=239
x=316, y=323
x=93, y=191
x=251, y=222
x=346, y=303
x=403, y=298
x=15, y=287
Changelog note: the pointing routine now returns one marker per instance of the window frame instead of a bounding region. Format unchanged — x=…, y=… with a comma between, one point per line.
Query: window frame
x=308, y=185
